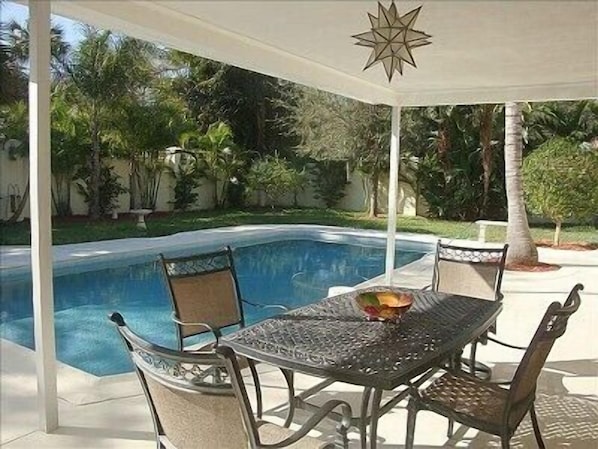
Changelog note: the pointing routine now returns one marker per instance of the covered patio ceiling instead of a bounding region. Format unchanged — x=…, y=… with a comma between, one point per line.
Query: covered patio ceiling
x=481, y=52
x=485, y=51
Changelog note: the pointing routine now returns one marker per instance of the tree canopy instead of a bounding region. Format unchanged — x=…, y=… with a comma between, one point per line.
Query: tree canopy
x=560, y=180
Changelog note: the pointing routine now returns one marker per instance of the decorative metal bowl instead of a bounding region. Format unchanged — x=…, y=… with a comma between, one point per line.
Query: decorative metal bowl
x=385, y=305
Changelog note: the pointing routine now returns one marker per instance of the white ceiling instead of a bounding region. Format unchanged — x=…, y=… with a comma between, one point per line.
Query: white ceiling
x=482, y=51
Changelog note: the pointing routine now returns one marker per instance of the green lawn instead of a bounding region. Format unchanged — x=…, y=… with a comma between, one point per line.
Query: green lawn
x=74, y=230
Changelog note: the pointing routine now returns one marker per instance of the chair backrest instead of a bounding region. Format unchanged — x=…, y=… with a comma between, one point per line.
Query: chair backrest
x=204, y=289
x=189, y=408
x=552, y=326
x=469, y=271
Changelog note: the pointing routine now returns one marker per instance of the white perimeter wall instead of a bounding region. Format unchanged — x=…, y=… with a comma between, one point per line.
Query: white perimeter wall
x=14, y=175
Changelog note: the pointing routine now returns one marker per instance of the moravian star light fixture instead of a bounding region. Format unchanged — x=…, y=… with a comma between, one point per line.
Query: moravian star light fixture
x=392, y=38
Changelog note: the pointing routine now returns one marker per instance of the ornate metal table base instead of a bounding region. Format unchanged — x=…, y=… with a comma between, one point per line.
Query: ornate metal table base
x=371, y=404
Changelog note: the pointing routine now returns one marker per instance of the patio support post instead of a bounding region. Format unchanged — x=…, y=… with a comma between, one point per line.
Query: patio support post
x=41, y=212
x=393, y=192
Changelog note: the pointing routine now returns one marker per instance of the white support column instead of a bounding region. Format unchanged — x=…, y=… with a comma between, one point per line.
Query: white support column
x=41, y=212
x=393, y=193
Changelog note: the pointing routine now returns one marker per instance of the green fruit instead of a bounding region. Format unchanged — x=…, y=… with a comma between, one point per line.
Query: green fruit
x=369, y=299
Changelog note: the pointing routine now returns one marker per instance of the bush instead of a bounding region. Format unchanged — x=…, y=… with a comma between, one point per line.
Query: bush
x=110, y=188
x=560, y=181
x=184, y=195
x=273, y=177
x=330, y=178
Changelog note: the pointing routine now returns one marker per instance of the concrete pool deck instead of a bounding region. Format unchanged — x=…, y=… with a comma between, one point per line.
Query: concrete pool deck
x=111, y=412
x=17, y=259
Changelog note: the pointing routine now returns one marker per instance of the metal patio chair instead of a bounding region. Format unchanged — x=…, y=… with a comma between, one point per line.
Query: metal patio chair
x=475, y=272
x=206, y=298
x=189, y=411
x=487, y=406
x=205, y=294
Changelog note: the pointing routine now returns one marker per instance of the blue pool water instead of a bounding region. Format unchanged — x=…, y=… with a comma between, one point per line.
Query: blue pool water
x=293, y=273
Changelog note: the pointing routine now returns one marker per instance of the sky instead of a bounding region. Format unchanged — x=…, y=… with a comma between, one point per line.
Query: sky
x=12, y=11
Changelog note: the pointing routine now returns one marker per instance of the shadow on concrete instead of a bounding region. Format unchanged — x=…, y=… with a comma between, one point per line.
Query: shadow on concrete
x=567, y=420
x=95, y=432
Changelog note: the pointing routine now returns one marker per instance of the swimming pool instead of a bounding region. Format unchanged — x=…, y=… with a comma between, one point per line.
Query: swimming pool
x=291, y=272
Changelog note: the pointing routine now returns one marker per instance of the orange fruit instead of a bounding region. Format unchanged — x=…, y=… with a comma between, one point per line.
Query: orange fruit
x=389, y=299
x=392, y=299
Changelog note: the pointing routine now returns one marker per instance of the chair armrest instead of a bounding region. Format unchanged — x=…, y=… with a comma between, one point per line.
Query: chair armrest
x=267, y=306
x=214, y=330
x=315, y=419
x=502, y=343
x=427, y=287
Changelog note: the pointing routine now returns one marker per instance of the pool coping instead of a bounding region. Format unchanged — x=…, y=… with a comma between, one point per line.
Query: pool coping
x=15, y=260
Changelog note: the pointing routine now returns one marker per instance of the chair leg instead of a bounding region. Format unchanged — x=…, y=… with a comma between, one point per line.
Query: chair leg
x=472, y=354
x=532, y=412
x=477, y=369
x=342, y=440
x=411, y=415
x=451, y=426
x=504, y=440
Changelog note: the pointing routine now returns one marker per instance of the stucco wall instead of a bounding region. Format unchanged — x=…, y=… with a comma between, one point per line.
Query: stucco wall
x=14, y=175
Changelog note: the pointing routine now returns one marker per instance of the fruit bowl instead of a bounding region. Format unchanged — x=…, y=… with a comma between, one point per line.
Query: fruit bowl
x=384, y=305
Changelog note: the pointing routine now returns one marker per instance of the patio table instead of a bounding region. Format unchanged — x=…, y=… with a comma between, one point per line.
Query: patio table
x=333, y=340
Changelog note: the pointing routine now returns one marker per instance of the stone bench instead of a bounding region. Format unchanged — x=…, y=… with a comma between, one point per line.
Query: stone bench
x=484, y=224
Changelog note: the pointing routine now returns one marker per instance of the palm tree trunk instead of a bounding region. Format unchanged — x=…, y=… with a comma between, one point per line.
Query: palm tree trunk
x=375, y=181
x=486, y=143
x=215, y=191
x=133, y=182
x=521, y=246
x=95, y=168
x=260, y=138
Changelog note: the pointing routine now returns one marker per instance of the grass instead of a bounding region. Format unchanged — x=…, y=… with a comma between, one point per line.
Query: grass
x=79, y=229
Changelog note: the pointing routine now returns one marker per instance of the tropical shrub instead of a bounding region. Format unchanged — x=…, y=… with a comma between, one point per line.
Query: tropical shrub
x=459, y=151
x=110, y=188
x=220, y=160
x=271, y=176
x=560, y=181
x=184, y=189
x=329, y=180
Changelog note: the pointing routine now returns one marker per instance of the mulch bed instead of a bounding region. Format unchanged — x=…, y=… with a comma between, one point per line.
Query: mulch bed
x=536, y=268
x=574, y=246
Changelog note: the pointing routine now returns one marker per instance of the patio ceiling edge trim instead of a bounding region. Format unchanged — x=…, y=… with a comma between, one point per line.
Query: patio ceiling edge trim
x=566, y=91
x=193, y=35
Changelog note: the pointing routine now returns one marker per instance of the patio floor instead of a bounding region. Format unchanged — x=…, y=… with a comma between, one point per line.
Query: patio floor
x=111, y=412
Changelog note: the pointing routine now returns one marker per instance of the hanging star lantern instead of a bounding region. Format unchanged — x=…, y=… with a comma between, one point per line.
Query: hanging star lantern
x=392, y=38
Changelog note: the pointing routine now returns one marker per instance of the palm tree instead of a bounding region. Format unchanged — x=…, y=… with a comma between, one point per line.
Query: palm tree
x=521, y=246
x=577, y=120
x=17, y=39
x=486, y=121
x=70, y=140
x=14, y=82
x=104, y=69
x=140, y=130
x=219, y=158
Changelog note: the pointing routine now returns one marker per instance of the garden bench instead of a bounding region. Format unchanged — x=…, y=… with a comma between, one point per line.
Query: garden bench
x=483, y=224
